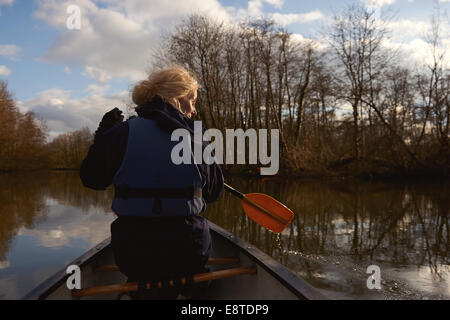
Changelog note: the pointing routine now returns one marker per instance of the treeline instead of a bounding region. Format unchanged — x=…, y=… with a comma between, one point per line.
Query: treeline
x=22, y=136
x=350, y=107
x=68, y=150
x=23, y=140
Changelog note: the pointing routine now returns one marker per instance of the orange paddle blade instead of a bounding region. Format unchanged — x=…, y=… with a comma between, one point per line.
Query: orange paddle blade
x=267, y=212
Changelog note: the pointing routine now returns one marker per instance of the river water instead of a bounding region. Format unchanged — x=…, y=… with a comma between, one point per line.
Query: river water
x=340, y=228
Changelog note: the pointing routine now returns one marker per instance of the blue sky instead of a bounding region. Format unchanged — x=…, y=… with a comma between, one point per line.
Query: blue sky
x=71, y=77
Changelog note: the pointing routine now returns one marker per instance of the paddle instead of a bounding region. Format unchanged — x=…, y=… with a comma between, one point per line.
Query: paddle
x=264, y=210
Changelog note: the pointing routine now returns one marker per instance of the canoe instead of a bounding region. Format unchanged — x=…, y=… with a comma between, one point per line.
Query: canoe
x=240, y=272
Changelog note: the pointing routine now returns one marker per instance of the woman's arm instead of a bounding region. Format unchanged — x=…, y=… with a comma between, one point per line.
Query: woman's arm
x=104, y=157
x=213, y=189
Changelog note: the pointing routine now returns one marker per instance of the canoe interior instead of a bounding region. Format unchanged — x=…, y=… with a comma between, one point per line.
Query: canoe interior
x=272, y=281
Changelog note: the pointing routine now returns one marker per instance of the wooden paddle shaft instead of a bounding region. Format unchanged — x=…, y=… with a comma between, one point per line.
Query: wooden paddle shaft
x=233, y=191
x=133, y=286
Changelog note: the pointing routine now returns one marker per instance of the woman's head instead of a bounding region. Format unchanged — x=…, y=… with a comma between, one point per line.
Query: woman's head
x=174, y=85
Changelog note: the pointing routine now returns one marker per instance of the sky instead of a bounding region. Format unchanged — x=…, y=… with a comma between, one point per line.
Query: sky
x=71, y=76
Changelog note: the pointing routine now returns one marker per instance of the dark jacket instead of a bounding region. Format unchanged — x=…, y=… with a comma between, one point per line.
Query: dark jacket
x=106, y=154
x=140, y=245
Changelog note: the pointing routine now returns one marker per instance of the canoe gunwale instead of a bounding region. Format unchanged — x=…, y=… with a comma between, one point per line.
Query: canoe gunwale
x=46, y=288
x=296, y=285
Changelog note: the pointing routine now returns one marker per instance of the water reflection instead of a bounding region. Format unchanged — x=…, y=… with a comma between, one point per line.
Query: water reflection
x=340, y=228
x=351, y=225
x=48, y=219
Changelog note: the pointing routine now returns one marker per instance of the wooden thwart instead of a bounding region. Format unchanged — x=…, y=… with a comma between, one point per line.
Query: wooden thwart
x=133, y=286
x=211, y=261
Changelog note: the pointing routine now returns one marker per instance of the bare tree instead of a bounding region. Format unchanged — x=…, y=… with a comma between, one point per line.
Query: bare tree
x=356, y=37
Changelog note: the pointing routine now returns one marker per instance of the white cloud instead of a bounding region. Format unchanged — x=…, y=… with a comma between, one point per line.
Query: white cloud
x=289, y=18
x=259, y=3
x=95, y=89
x=115, y=41
x=254, y=9
x=100, y=75
x=417, y=52
x=4, y=71
x=409, y=36
x=64, y=113
x=276, y=3
x=408, y=29
x=116, y=38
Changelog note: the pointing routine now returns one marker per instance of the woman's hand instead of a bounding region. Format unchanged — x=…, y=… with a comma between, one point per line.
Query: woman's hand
x=109, y=120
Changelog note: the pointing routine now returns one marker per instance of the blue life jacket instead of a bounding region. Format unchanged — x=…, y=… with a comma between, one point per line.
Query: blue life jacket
x=148, y=183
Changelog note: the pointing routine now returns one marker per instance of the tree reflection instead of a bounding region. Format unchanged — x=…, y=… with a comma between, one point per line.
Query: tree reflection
x=399, y=223
x=380, y=222
x=24, y=200
x=21, y=202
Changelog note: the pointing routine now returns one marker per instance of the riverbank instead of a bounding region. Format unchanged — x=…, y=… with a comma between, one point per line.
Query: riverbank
x=349, y=172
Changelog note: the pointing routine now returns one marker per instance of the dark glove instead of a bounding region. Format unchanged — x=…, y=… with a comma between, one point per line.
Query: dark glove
x=109, y=120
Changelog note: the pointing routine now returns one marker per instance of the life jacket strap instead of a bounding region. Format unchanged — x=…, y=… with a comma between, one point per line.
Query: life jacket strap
x=124, y=191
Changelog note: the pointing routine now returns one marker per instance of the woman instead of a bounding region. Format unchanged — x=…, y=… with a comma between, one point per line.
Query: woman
x=159, y=234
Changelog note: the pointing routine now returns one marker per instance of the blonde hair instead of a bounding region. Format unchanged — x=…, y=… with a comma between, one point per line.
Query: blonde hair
x=169, y=84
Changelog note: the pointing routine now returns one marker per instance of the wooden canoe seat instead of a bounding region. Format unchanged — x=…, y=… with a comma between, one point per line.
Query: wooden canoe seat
x=133, y=286
x=211, y=261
